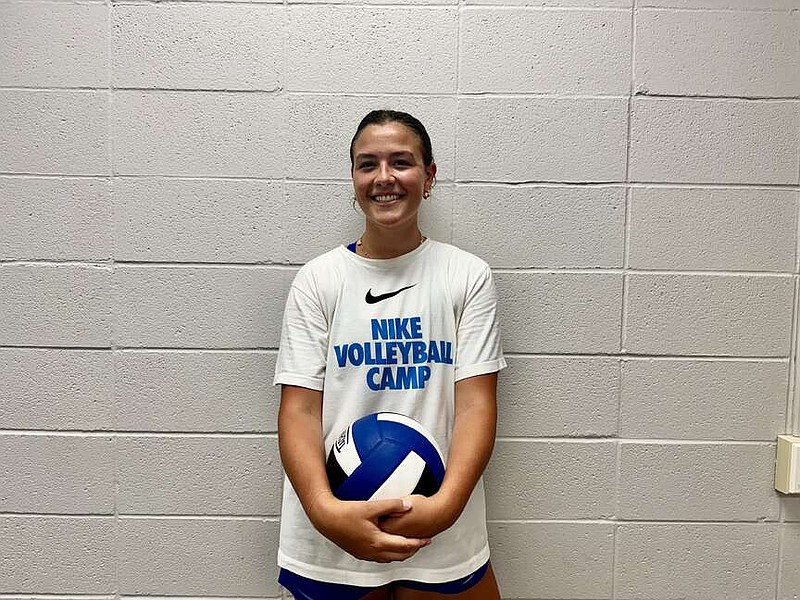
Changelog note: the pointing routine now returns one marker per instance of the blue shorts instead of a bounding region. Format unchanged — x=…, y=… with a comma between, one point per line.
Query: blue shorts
x=303, y=588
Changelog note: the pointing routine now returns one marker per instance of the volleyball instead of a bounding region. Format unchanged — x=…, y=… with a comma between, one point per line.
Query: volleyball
x=384, y=455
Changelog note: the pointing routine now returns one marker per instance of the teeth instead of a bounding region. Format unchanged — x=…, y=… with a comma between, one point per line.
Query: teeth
x=387, y=198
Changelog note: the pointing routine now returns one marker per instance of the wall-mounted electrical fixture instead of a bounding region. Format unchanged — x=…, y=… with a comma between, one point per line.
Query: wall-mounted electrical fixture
x=787, y=464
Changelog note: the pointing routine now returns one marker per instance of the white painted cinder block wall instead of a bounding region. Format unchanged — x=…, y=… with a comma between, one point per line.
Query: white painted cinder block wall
x=628, y=167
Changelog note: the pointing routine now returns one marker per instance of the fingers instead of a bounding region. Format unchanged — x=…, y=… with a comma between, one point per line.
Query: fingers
x=399, y=543
x=355, y=527
x=380, y=508
x=397, y=547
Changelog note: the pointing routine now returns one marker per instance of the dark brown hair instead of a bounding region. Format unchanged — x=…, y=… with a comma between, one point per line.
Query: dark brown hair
x=381, y=117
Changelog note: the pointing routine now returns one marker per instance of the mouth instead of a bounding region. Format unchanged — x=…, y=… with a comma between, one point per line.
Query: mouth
x=386, y=198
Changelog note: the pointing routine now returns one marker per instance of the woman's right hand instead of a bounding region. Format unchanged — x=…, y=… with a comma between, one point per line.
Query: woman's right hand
x=354, y=527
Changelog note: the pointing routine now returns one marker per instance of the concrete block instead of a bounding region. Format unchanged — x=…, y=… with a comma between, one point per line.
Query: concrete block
x=790, y=508
x=696, y=482
x=551, y=480
x=198, y=557
x=60, y=45
x=196, y=391
x=205, y=134
x=558, y=397
x=554, y=51
x=305, y=238
x=560, y=312
x=382, y=2
x=61, y=132
x=553, y=560
x=55, y=219
x=545, y=4
x=209, y=47
x=789, y=584
x=696, y=561
x=199, y=475
x=541, y=139
x=697, y=229
x=320, y=128
x=56, y=474
x=63, y=305
x=220, y=221
x=56, y=555
x=566, y=226
x=56, y=389
x=372, y=50
x=714, y=141
x=717, y=53
x=216, y=2
x=719, y=315
x=195, y=307
x=723, y=4
x=707, y=400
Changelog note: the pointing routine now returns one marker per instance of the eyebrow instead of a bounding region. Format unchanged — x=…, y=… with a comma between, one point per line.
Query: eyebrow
x=391, y=154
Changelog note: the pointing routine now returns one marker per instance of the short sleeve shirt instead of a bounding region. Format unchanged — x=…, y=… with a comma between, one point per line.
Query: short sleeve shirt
x=388, y=335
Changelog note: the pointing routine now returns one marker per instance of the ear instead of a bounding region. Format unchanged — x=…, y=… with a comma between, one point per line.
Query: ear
x=430, y=175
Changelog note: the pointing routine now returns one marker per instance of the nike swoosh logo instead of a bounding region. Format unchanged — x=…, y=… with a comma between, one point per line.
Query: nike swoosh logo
x=370, y=299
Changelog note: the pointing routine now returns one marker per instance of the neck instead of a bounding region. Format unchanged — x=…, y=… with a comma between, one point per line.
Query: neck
x=384, y=245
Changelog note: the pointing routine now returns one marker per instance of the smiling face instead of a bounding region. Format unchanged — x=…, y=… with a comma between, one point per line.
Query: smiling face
x=390, y=176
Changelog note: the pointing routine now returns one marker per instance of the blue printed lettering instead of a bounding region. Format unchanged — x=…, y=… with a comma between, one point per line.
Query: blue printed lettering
x=380, y=329
x=447, y=352
x=401, y=378
x=373, y=354
x=356, y=354
x=397, y=328
x=420, y=353
x=433, y=352
x=406, y=379
x=341, y=354
x=403, y=329
x=371, y=379
x=416, y=328
x=424, y=375
x=405, y=350
x=391, y=353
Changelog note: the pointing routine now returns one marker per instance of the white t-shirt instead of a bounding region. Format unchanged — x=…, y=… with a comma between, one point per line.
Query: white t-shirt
x=388, y=335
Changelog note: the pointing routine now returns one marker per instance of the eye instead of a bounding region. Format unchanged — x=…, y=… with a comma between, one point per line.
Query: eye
x=365, y=165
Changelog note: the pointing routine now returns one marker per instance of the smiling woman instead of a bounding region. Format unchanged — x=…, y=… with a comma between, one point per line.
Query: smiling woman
x=392, y=170
x=399, y=323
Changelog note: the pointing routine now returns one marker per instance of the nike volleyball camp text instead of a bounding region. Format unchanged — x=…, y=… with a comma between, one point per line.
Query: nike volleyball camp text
x=397, y=355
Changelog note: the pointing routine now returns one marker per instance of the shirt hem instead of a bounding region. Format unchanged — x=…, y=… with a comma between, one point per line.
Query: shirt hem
x=394, y=572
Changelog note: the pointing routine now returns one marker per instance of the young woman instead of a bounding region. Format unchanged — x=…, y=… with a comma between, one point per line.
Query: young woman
x=391, y=286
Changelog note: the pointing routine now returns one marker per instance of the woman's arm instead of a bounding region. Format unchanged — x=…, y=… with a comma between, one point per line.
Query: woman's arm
x=353, y=526
x=470, y=449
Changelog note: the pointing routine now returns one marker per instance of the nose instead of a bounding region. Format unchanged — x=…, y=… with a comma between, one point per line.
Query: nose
x=384, y=174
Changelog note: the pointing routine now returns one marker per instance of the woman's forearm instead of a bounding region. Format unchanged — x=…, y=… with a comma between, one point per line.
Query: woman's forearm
x=472, y=440
x=301, y=444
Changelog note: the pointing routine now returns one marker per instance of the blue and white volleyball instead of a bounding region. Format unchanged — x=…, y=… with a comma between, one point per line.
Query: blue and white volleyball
x=384, y=455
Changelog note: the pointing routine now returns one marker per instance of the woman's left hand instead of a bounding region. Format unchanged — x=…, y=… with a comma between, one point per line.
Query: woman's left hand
x=427, y=517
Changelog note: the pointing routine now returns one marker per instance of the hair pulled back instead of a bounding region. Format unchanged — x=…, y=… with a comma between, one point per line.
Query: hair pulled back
x=381, y=117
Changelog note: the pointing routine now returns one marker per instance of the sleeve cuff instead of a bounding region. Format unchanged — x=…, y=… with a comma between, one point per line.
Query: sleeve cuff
x=311, y=383
x=483, y=368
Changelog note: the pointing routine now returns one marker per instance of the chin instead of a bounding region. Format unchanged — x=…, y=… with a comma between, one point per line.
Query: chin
x=388, y=222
